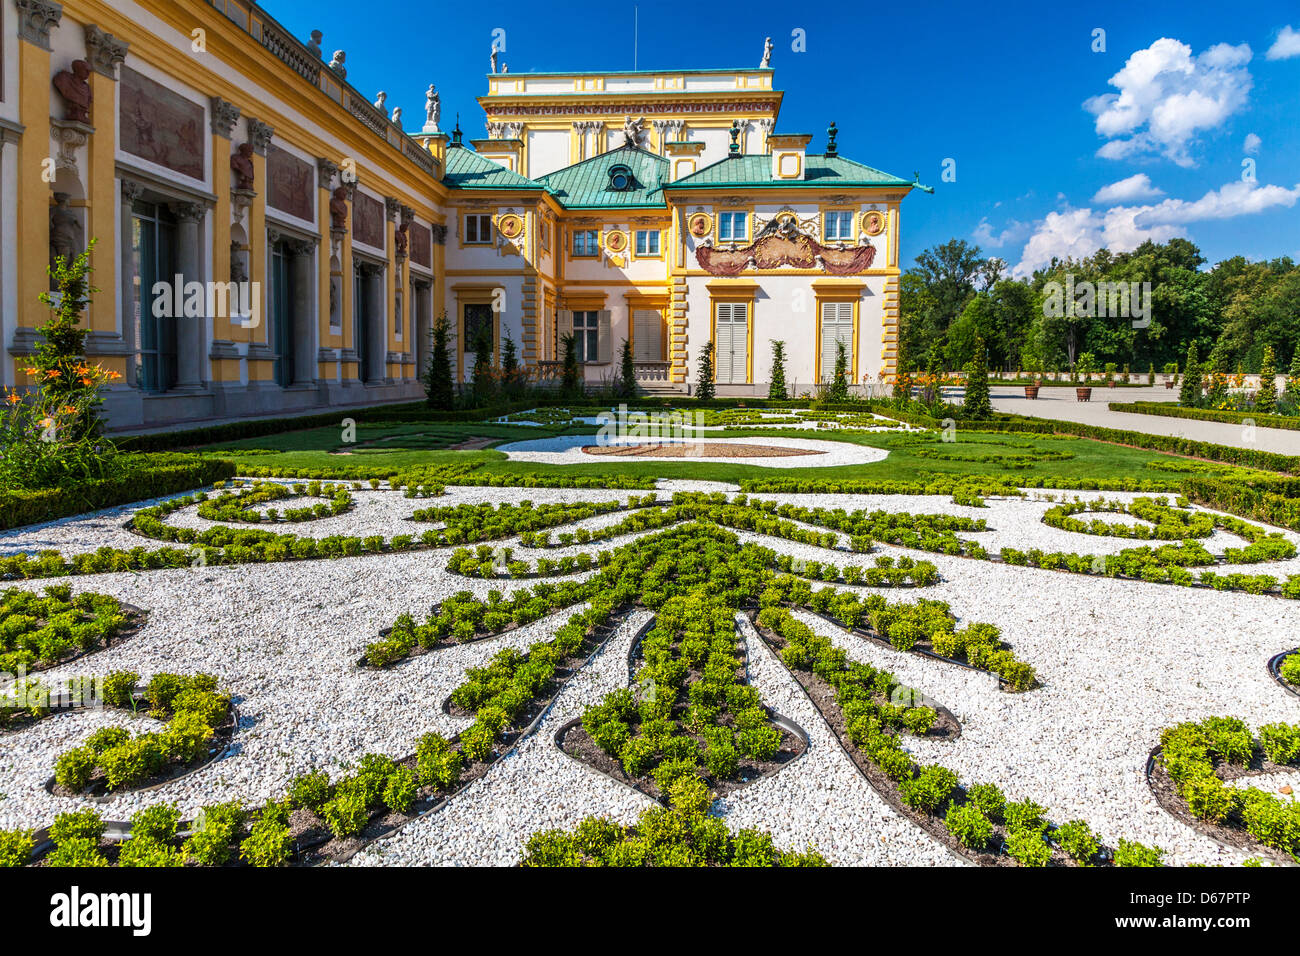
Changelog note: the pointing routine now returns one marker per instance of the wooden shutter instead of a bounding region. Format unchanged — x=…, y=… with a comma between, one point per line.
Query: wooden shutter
x=731, y=342
x=563, y=327
x=836, y=326
x=604, y=340
x=648, y=336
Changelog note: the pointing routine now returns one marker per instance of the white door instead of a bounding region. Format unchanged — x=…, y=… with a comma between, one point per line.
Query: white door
x=837, y=326
x=647, y=336
x=731, y=343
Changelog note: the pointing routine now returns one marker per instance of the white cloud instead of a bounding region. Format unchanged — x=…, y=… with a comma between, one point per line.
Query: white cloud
x=1077, y=233
x=1167, y=96
x=1013, y=232
x=1234, y=199
x=1286, y=45
x=1252, y=143
x=1137, y=186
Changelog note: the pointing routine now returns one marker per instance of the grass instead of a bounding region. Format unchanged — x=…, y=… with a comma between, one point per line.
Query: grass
x=416, y=444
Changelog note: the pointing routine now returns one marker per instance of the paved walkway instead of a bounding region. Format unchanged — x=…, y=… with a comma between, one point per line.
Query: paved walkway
x=1060, y=403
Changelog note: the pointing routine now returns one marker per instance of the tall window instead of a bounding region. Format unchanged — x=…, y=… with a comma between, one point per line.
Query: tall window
x=839, y=226
x=585, y=244
x=281, y=302
x=478, y=328
x=153, y=260
x=586, y=333
x=478, y=229
x=647, y=242
x=733, y=226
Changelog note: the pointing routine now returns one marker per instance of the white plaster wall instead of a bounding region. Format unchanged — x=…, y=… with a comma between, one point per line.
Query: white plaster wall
x=548, y=150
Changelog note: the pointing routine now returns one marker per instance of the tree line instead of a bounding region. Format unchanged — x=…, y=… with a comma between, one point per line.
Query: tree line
x=955, y=295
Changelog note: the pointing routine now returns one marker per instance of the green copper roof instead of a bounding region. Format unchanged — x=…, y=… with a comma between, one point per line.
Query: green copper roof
x=587, y=184
x=466, y=169
x=756, y=170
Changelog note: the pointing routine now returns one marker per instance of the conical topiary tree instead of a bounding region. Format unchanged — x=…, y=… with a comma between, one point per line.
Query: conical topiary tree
x=839, y=390
x=627, y=372
x=776, y=387
x=438, y=386
x=1293, y=377
x=977, y=406
x=1266, y=397
x=704, y=373
x=571, y=374
x=1190, y=392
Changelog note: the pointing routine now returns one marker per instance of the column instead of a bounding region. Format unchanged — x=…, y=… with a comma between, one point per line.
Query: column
x=393, y=286
x=261, y=366
x=104, y=53
x=328, y=274
x=36, y=18
x=191, y=331
x=305, y=323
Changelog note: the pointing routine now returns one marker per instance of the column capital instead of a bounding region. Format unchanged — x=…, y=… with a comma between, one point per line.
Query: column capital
x=392, y=206
x=224, y=117
x=36, y=18
x=104, y=51
x=187, y=210
x=131, y=190
x=259, y=134
x=327, y=169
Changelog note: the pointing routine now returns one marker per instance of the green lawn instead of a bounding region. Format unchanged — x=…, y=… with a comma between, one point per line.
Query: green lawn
x=416, y=444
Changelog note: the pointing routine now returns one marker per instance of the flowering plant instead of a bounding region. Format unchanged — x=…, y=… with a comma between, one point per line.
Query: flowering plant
x=50, y=434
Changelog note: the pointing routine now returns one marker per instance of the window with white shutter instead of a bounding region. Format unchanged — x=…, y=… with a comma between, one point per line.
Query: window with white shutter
x=836, y=326
x=731, y=342
x=647, y=336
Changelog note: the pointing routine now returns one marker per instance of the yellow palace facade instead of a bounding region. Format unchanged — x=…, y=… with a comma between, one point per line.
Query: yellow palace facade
x=269, y=240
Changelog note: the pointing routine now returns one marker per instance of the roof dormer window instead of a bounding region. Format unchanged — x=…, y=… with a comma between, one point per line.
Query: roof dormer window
x=620, y=178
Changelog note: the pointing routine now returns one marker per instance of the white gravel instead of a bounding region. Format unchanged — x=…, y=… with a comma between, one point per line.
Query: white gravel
x=1119, y=660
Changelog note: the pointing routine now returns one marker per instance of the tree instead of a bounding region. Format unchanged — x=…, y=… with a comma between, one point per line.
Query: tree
x=571, y=374
x=483, y=385
x=839, y=390
x=1189, y=395
x=776, y=387
x=704, y=372
x=510, y=376
x=627, y=372
x=1293, y=378
x=977, y=406
x=439, y=390
x=1266, y=397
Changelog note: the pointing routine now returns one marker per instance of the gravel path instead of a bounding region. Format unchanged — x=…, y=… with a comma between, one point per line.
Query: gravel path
x=1120, y=660
x=567, y=450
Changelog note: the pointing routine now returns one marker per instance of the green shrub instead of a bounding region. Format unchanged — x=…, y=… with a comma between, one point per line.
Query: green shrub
x=399, y=793
x=347, y=813
x=1025, y=815
x=84, y=824
x=16, y=847
x=268, y=843
x=969, y=825
x=309, y=790
x=989, y=799
x=158, y=823
x=73, y=769
x=1077, y=839
x=144, y=852
x=1132, y=854
x=929, y=789
x=1028, y=847
x=1281, y=742
x=76, y=852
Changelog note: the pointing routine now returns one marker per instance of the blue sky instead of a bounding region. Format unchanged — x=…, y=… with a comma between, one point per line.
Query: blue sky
x=1038, y=124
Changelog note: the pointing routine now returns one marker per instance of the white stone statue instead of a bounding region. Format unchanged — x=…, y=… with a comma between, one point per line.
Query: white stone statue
x=397, y=117
x=493, y=58
x=633, y=131
x=381, y=98
x=432, y=110
x=767, y=54
x=337, y=66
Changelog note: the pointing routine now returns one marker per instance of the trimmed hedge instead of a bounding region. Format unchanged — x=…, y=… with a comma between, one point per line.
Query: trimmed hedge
x=1231, y=417
x=1257, y=500
x=142, y=477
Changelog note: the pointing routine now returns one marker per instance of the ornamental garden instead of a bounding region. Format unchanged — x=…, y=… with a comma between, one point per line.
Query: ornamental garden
x=793, y=632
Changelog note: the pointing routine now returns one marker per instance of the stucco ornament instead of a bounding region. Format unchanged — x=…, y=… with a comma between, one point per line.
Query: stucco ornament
x=873, y=222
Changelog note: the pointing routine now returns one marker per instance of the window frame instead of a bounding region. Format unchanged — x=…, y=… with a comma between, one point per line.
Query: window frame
x=593, y=235
x=839, y=216
x=590, y=319
x=658, y=244
x=481, y=219
x=732, y=216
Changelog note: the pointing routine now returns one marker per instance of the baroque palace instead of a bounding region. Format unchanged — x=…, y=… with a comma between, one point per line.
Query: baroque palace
x=268, y=239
